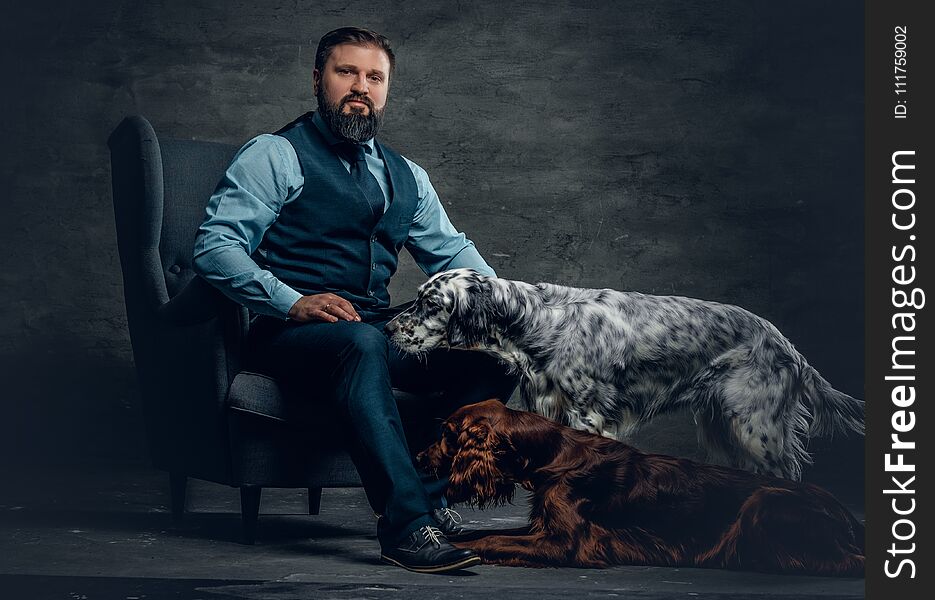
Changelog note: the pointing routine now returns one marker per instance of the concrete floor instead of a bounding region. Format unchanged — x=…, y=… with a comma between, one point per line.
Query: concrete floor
x=99, y=533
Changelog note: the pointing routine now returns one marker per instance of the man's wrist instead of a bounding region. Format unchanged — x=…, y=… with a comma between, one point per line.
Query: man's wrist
x=284, y=300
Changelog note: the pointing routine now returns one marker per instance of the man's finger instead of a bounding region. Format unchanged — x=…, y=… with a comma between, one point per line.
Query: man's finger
x=348, y=309
x=339, y=311
x=326, y=316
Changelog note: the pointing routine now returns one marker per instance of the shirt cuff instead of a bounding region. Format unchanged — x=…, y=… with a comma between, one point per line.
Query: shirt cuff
x=283, y=299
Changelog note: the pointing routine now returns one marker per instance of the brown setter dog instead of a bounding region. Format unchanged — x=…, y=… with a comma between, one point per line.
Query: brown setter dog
x=597, y=502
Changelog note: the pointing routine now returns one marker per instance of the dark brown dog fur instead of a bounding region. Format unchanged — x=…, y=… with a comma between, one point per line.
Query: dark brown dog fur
x=597, y=502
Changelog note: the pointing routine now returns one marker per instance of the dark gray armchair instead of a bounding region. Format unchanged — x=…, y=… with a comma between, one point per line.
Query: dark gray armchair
x=205, y=417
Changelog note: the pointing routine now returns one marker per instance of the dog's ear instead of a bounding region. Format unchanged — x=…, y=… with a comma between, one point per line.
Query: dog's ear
x=475, y=477
x=472, y=314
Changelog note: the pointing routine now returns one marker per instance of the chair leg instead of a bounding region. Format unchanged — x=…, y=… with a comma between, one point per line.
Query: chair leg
x=249, y=511
x=314, y=500
x=178, y=483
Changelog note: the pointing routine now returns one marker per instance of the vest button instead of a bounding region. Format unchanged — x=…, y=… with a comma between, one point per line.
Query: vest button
x=373, y=239
x=373, y=266
x=370, y=293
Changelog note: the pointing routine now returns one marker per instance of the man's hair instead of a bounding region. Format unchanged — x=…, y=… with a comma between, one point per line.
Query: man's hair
x=351, y=35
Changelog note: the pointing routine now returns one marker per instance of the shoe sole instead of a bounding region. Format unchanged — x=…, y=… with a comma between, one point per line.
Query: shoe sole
x=471, y=561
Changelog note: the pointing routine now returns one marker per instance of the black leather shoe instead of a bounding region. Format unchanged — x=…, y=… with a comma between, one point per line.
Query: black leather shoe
x=427, y=550
x=449, y=521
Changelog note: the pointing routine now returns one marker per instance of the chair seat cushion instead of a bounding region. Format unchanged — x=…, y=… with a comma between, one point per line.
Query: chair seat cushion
x=261, y=395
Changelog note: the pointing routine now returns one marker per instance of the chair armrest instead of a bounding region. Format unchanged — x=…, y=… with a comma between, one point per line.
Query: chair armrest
x=198, y=302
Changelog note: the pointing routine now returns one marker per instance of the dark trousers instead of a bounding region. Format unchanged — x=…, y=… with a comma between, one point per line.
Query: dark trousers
x=353, y=367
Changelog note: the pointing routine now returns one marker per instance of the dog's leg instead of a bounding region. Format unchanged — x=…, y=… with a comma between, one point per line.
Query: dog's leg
x=535, y=550
x=742, y=412
x=762, y=401
x=476, y=534
x=759, y=443
x=593, y=406
x=772, y=444
x=514, y=551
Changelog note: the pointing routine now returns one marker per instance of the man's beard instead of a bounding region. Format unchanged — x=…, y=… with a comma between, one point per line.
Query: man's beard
x=354, y=127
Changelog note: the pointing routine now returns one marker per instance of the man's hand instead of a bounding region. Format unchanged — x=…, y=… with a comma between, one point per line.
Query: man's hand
x=323, y=307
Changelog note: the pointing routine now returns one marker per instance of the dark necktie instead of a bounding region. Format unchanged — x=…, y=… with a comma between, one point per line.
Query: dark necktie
x=354, y=154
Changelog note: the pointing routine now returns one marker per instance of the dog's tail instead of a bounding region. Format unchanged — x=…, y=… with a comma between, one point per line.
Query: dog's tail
x=831, y=410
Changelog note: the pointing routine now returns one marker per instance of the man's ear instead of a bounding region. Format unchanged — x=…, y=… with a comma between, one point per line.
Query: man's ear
x=316, y=81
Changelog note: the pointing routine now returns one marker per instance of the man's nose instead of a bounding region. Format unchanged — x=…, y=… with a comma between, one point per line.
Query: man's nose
x=360, y=84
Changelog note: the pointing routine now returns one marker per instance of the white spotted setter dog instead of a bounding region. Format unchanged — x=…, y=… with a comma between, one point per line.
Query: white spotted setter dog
x=606, y=362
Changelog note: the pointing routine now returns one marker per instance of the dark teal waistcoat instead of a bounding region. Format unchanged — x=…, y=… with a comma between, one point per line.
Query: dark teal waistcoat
x=328, y=239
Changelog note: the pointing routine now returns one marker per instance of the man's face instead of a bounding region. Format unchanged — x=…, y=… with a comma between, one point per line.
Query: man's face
x=351, y=89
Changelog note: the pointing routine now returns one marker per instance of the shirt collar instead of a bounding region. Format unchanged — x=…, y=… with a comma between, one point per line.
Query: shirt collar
x=333, y=139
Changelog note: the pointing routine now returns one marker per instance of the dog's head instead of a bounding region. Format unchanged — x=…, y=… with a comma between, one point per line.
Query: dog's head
x=475, y=454
x=449, y=311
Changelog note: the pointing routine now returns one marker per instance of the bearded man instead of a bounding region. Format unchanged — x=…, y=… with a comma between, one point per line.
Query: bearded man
x=305, y=229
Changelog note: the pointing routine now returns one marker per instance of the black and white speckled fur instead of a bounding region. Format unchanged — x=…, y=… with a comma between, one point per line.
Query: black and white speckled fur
x=606, y=362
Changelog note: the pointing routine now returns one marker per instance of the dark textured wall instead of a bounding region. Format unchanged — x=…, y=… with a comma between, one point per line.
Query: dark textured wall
x=693, y=148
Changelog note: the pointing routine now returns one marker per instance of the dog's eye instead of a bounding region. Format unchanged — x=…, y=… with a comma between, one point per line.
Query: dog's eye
x=433, y=306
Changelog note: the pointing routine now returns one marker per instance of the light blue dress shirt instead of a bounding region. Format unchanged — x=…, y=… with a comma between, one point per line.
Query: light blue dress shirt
x=264, y=176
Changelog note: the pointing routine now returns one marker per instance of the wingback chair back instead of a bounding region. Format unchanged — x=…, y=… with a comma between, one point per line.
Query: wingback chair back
x=205, y=417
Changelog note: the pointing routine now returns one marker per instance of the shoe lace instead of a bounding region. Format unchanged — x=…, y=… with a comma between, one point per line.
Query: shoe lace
x=432, y=534
x=452, y=514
